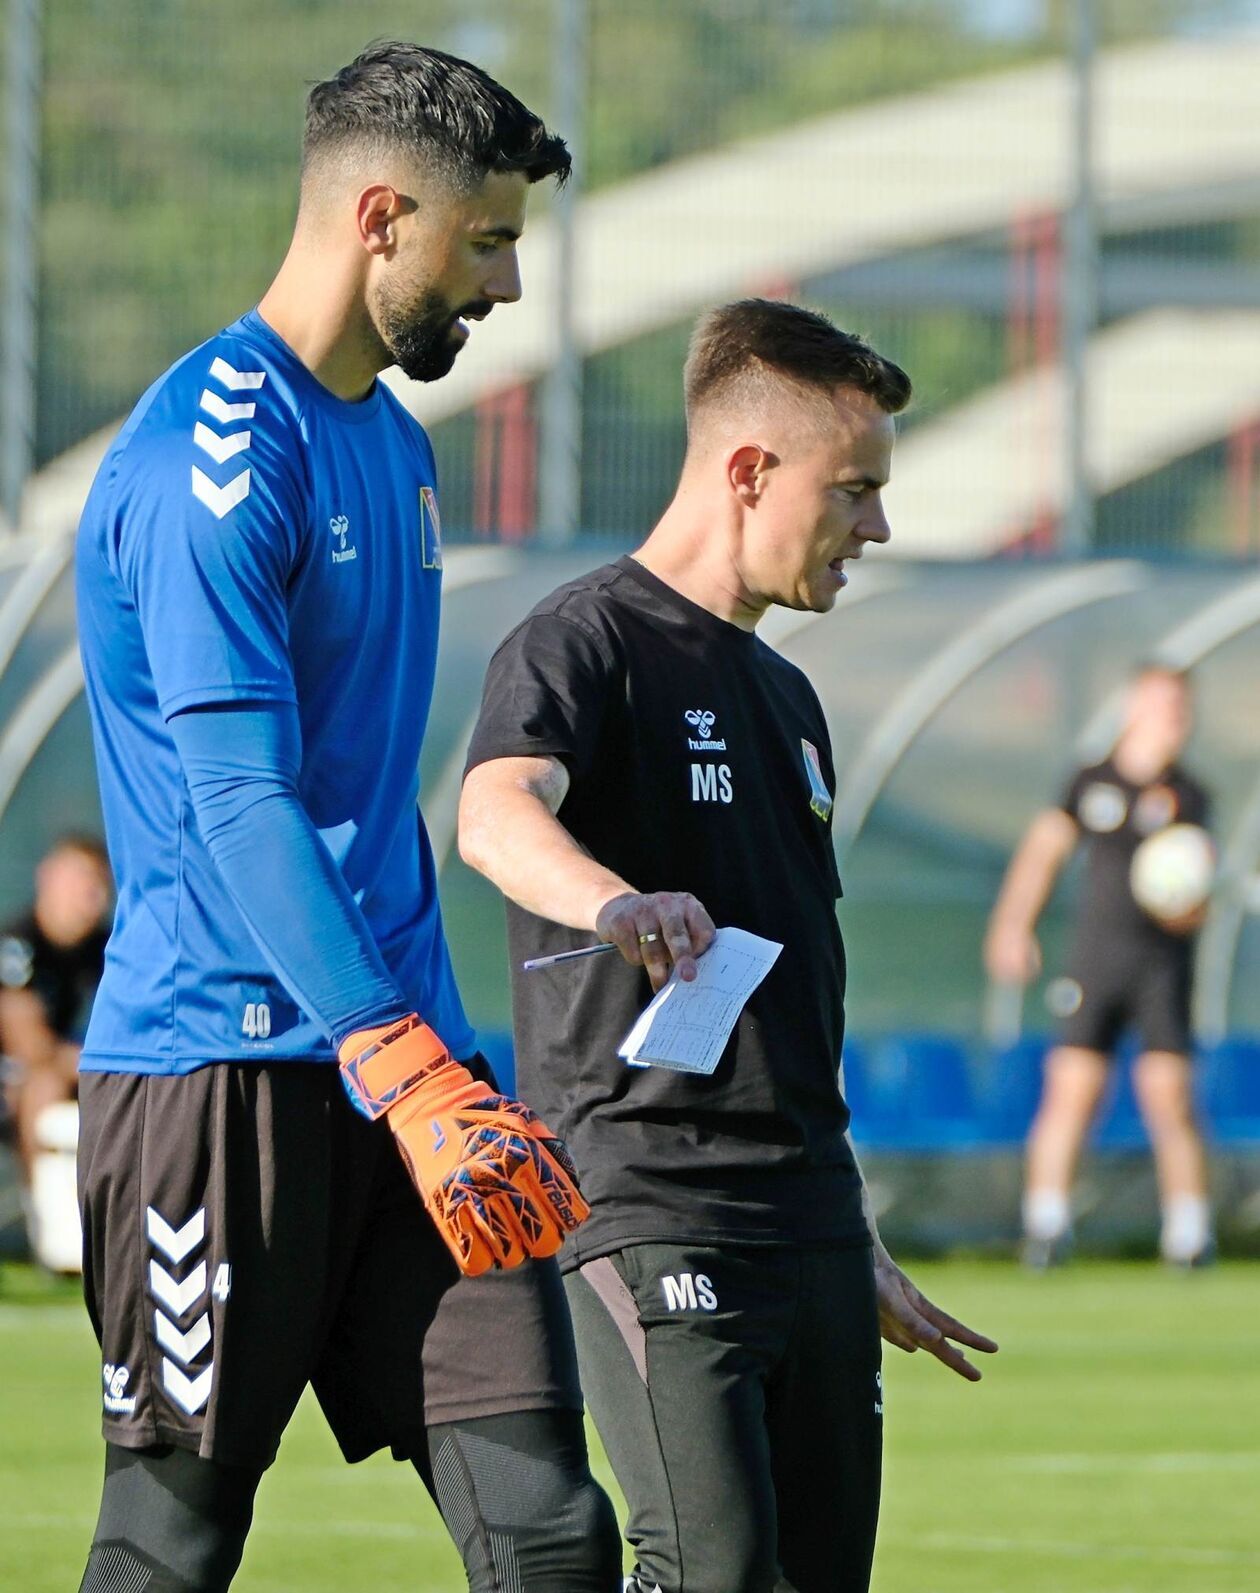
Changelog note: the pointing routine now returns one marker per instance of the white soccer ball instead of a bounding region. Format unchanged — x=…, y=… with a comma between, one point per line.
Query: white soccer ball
x=1171, y=872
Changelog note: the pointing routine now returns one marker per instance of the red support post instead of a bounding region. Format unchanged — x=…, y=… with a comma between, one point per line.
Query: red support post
x=518, y=462
x=505, y=464
x=1244, y=446
x=485, y=451
x=1032, y=341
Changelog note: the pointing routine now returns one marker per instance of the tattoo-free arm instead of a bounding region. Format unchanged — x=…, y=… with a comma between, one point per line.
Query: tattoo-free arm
x=1011, y=953
x=509, y=831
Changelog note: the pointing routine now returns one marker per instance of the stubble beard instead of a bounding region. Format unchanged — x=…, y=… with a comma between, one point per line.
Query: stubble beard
x=418, y=338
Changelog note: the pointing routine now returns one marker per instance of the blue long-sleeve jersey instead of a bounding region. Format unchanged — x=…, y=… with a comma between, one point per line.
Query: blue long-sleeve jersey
x=252, y=539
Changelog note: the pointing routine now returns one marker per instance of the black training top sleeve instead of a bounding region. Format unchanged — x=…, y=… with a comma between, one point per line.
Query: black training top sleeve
x=1196, y=804
x=1070, y=801
x=546, y=693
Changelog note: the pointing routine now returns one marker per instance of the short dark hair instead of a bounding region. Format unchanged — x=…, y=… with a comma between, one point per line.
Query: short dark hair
x=433, y=105
x=81, y=841
x=740, y=344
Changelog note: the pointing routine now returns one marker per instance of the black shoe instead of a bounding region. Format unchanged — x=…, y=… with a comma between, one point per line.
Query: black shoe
x=1039, y=1255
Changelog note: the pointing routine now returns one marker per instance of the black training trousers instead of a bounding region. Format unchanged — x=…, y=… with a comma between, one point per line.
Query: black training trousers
x=738, y=1393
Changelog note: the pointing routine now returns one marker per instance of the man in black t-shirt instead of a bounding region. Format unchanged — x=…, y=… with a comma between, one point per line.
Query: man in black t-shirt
x=1125, y=969
x=51, y=958
x=645, y=768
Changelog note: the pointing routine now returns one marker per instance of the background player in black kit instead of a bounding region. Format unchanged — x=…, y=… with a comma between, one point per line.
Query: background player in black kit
x=51, y=958
x=1125, y=970
x=644, y=767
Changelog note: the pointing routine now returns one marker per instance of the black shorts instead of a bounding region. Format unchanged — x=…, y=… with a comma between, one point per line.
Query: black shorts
x=1108, y=989
x=738, y=1393
x=246, y=1232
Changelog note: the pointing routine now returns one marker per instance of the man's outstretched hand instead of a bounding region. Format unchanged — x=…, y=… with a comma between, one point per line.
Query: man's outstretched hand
x=658, y=931
x=908, y=1319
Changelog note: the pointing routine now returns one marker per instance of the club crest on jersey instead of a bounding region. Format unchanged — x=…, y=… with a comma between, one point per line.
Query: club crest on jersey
x=343, y=550
x=702, y=721
x=17, y=962
x=1103, y=807
x=430, y=530
x=820, y=799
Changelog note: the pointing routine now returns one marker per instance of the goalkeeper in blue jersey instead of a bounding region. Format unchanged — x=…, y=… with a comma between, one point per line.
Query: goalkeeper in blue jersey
x=259, y=569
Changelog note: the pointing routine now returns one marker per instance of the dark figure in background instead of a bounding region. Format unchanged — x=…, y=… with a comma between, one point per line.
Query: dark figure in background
x=51, y=958
x=1126, y=969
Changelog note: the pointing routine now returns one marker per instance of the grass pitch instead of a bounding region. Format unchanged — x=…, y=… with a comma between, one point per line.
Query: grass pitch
x=1112, y=1448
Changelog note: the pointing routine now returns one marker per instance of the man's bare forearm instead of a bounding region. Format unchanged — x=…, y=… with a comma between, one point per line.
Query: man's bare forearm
x=1033, y=871
x=508, y=831
x=25, y=1032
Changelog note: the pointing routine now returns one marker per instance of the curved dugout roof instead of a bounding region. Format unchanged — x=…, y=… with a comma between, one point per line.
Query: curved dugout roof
x=958, y=698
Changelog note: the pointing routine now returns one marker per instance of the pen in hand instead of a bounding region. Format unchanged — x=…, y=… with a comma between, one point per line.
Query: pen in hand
x=568, y=956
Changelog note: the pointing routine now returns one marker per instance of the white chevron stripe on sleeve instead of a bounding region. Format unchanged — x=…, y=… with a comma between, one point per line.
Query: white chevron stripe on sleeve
x=183, y=1346
x=190, y=1393
x=222, y=410
x=220, y=500
x=177, y=1297
x=175, y=1243
x=219, y=448
x=236, y=380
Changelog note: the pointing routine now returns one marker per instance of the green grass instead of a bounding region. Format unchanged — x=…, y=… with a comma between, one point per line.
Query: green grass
x=1112, y=1448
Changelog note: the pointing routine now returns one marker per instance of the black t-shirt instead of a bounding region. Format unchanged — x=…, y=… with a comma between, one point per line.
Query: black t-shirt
x=1116, y=816
x=699, y=761
x=63, y=977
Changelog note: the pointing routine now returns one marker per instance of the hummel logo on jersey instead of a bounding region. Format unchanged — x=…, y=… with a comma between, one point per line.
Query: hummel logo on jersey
x=703, y=720
x=115, y=1398
x=689, y=1291
x=339, y=525
x=222, y=498
x=879, y=1393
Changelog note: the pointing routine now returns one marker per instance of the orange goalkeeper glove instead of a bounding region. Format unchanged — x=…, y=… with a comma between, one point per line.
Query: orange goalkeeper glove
x=494, y=1178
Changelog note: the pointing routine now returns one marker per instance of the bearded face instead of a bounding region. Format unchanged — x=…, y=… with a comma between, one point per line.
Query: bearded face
x=454, y=260
x=424, y=334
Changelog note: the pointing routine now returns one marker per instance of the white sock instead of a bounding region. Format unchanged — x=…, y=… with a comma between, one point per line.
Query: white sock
x=1046, y=1214
x=1187, y=1227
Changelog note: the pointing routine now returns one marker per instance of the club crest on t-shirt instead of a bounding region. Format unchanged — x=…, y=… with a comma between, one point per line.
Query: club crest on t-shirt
x=819, y=796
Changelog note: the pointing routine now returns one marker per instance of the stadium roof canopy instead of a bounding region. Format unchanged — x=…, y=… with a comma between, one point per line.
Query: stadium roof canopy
x=956, y=696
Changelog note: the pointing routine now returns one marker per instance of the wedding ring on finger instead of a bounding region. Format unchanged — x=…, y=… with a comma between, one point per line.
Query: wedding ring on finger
x=646, y=940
